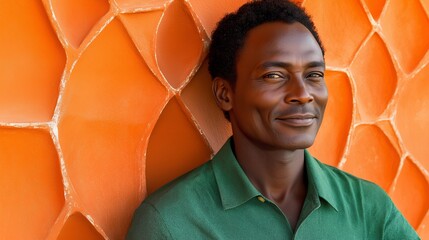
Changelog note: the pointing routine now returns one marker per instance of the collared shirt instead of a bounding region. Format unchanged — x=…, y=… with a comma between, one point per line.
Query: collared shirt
x=218, y=201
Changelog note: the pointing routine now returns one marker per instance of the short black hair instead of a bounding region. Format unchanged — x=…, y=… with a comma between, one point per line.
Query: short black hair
x=231, y=31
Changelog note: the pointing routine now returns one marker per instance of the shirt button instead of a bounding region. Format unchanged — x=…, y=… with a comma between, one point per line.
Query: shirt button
x=261, y=199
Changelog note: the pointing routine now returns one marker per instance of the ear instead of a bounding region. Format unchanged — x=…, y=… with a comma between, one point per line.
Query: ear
x=223, y=93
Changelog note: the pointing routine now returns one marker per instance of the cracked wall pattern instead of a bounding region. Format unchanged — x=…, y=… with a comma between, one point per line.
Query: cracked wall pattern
x=104, y=101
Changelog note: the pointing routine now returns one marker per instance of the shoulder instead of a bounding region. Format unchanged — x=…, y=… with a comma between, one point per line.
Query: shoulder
x=189, y=191
x=160, y=213
x=368, y=203
x=350, y=187
x=348, y=178
x=147, y=224
x=182, y=189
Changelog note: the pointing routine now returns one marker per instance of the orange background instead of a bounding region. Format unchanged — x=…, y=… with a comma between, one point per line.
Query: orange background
x=103, y=101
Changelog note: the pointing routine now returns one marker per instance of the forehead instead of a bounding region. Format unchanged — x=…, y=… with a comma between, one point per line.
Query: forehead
x=278, y=38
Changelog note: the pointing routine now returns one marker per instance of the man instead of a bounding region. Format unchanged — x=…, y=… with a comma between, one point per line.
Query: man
x=267, y=65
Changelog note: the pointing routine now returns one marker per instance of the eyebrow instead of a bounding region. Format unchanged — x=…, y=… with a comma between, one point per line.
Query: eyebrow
x=287, y=65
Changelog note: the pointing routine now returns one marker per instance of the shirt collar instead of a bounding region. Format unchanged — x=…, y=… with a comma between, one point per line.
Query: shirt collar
x=319, y=180
x=235, y=187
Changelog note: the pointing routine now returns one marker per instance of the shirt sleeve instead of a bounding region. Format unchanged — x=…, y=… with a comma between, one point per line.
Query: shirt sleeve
x=397, y=227
x=147, y=224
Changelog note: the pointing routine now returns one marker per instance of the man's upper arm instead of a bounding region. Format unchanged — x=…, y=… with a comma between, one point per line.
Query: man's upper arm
x=397, y=227
x=147, y=224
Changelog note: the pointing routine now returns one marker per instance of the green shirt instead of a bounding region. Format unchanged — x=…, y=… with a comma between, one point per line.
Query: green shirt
x=218, y=201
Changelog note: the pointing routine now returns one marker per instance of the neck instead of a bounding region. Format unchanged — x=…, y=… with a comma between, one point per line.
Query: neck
x=277, y=174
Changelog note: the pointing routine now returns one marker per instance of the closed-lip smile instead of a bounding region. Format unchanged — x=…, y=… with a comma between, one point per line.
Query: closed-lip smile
x=298, y=120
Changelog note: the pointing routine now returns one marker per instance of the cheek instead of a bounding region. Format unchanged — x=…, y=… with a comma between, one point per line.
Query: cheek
x=267, y=98
x=322, y=98
x=254, y=110
x=265, y=104
x=256, y=102
x=258, y=99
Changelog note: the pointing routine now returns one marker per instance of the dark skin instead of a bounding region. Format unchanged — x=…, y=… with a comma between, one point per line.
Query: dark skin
x=276, y=107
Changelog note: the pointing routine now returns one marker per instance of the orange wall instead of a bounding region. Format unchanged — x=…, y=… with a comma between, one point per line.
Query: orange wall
x=103, y=101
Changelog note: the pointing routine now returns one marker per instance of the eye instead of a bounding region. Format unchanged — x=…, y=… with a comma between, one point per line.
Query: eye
x=315, y=75
x=274, y=77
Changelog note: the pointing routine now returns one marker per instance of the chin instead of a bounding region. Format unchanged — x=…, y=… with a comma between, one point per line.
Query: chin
x=297, y=143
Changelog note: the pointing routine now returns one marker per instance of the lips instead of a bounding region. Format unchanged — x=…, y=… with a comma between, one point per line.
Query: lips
x=298, y=120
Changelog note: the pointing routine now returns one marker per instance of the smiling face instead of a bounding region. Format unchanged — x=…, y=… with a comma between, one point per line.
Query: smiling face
x=280, y=94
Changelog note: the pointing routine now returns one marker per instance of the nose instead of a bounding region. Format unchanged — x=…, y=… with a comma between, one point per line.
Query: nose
x=297, y=91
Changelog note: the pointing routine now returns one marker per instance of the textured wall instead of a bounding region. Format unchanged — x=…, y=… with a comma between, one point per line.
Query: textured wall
x=103, y=101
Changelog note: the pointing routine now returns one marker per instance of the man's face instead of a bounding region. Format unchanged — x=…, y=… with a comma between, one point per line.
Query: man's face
x=280, y=94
